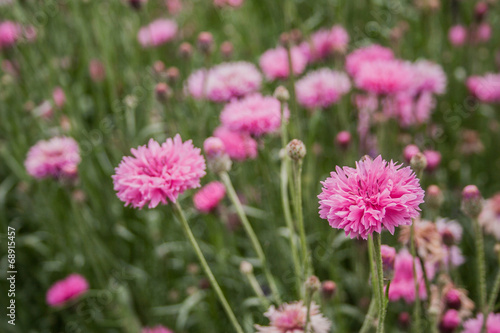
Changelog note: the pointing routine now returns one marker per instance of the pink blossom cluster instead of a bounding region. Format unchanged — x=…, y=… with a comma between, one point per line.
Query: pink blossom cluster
x=11, y=32
x=485, y=88
x=474, y=325
x=157, y=33
x=322, y=88
x=325, y=42
x=209, y=196
x=402, y=285
x=274, y=62
x=239, y=146
x=66, y=290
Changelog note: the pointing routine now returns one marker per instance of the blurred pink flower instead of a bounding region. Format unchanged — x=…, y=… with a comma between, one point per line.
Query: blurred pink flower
x=322, y=88
x=489, y=218
x=59, y=97
x=173, y=6
x=255, y=114
x=343, y=139
x=230, y=3
x=450, y=321
x=239, y=146
x=274, y=63
x=483, y=32
x=324, y=43
x=429, y=77
x=357, y=58
x=384, y=77
x=409, y=151
x=402, y=285
x=10, y=32
x=376, y=195
x=457, y=35
x=225, y=81
x=209, y=196
x=158, y=173
x=291, y=317
x=485, y=88
x=156, y=329
x=474, y=325
x=408, y=109
x=57, y=157
x=157, y=33
x=433, y=159
x=97, y=70
x=66, y=290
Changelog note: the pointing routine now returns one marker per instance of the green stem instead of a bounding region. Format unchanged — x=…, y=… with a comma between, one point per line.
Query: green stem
x=257, y=289
x=494, y=294
x=416, y=309
x=377, y=238
x=180, y=215
x=250, y=232
x=297, y=171
x=308, y=312
x=370, y=317
x=481, y=268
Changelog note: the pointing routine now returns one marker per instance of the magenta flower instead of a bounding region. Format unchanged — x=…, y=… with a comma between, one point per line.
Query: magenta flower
x=325, y=42
x=239, y=146
x=225, y=81
x=433, y=159
x=66, y=290
x=457, y=35
x=363, y=55
x=322, y=88
x=59, y=97
x=474, y=325
x=209, y=196
x=402, y=285
x=10, y=32
x=376, y=195
x=157, y=33
x=57, y=157
x=255, y=114
x=485, y=88
x=385, y=77
x=483, y=32
x=158, y=173
x=274, y=63
x=291, y=317
x=156, y=329
x=450, y=321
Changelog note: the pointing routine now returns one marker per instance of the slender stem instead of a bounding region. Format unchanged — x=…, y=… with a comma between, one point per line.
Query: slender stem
x=257, y=289
x=308, y=312
x=370, y=316
x=494, y=294
x=297, y=171
x=377, y=238
x=416, y=309
x=426, y=278
x=481, y=268
x=180, y=215
x=250, y=232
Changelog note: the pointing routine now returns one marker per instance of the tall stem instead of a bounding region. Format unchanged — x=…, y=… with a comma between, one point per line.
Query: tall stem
x=297, y=171
x=180, y=215
x=251, y=234
x=416, y=309
x=481, y=270
x=370, y=316
x=377, y=239
x=494, y=294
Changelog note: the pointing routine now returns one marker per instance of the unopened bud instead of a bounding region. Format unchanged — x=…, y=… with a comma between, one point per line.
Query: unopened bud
x=433, y=158
x=480, y=10
x=226, y=50
x=246, y=267
x=343, y=139
x=285, y=39
x=281, y=94
x=388, y=254
x=418, y=162
x=452, y=299
x=410, y=151
x=136, y=4
x=312, y=284
x=173, y=75
x=434, y=197
x=162, y=91
x=213, y=146
x=185, y=50
x=296, y=150
x=450, y=321
x=404, y=320
x=328, y=289
x=472, y=202
x=205, y=42
x=296, y=36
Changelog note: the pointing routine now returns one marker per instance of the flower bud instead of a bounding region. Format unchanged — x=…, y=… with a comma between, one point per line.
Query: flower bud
x=226, y=50
x=452, y=299
x=480, y=10
x=433, y=158
x=343, y=139
x=434, y=197
x=328, y=289
x=449, y=322
x=312, y=284
x=162, y=91
x=185, y=50
x=246, y=267
x=388, y=254
x=418, y=162
x=205, y=42
x=410, y=151
x=136, y=4
x=404, y=320
x=285, y=39
x=472, y=202
x=281, y=94
x=296, y=150
x=296, y=36
x=97, y=70
x=213, y=146
x=173, y=75
x=59, y=97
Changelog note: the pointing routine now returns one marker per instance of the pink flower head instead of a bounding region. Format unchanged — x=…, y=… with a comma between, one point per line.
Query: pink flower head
x=450, y=321
x=239, y=146
x=483, y=32
x=173, y=6
x=474, y=325
x=343, y=139
x=449, y=230
x=410, y=151
x=485, y=88
x=457, y=35
x=10, y=32
x=388, y=254
x=409, y=109
x=213, y=146
x=384, y=77
x=67, y=289
x=225, y=81
x=429, y=77
x=156, y=329
x=57, y=157
x=157, y=33
x=322, y=88
x=158, y=173
x=357, y=58
x=59, y=97
x=433, y=159
x=97, y=70
x=291, y=317
x=489, y=218
x=373, y=196
x=274, y=63
x=402, y=285
x=325, y=42
x=255, y=114
x=209, y=196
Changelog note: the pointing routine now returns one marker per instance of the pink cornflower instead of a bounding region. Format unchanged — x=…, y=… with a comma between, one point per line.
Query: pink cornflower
x=483, y=32
x=485, y=88
x=433, y=159
x=158, y=173
x=322, y=88
x=429, y=77
x=402, y=285
x=343, y=139
x=255, y=115
x=376, y=195
x=450, y=321
x=451, y=234
x=291, y=317
x=225, y=81
x=156, y=329
x=173, y=6
x=57, y=157
x=489, y=218
x=410, y=151
x=274, y=63
x=239, y=146
x=474, y=325
x=209, y=196
x=384, y=77
x=10, y=32
x=66, y=290
x=59, y=97
x=325, y=42
x=457, y=35
x=157, y=33
x=409, y=109
x=357, y=58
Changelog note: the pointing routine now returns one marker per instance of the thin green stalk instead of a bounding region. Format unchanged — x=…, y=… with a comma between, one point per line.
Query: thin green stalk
x=308, y=312
x=180, y=215
x=251, y=234
x=370, y=316
x=481, y=268
x=494, y=294
x=257, y=289
x=416, y=309
x=377, y=238
x=297, y=171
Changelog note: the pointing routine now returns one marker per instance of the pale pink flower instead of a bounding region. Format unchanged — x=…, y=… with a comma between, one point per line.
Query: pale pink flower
x=474, y=325
x=291, y=317
x=255, y=114
x=410, y=151
x=453, y=256
x=44, y=110
x=408, y=109
x=358, y=57
x=457, y=35
x=209, y=196
x=429, y=77
x=225, y=81
x=325, y=42
x=433, y=159
x=483, y=32
x=402, y=285
x=158, y=173
x=156, y=329
x=66, y=290
x=451, y=234
x=376, y=195
x=59, y=97
x=384, y=77
x=173, y=6
x=239, y=146
x=97, y=70
x=157, y=33
x=489, y=218
x=485, y=88
x=10, y=32
x=57, y=157
x=322, y=88
x=230, y=3
x=274, y=63
x=449, y=228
